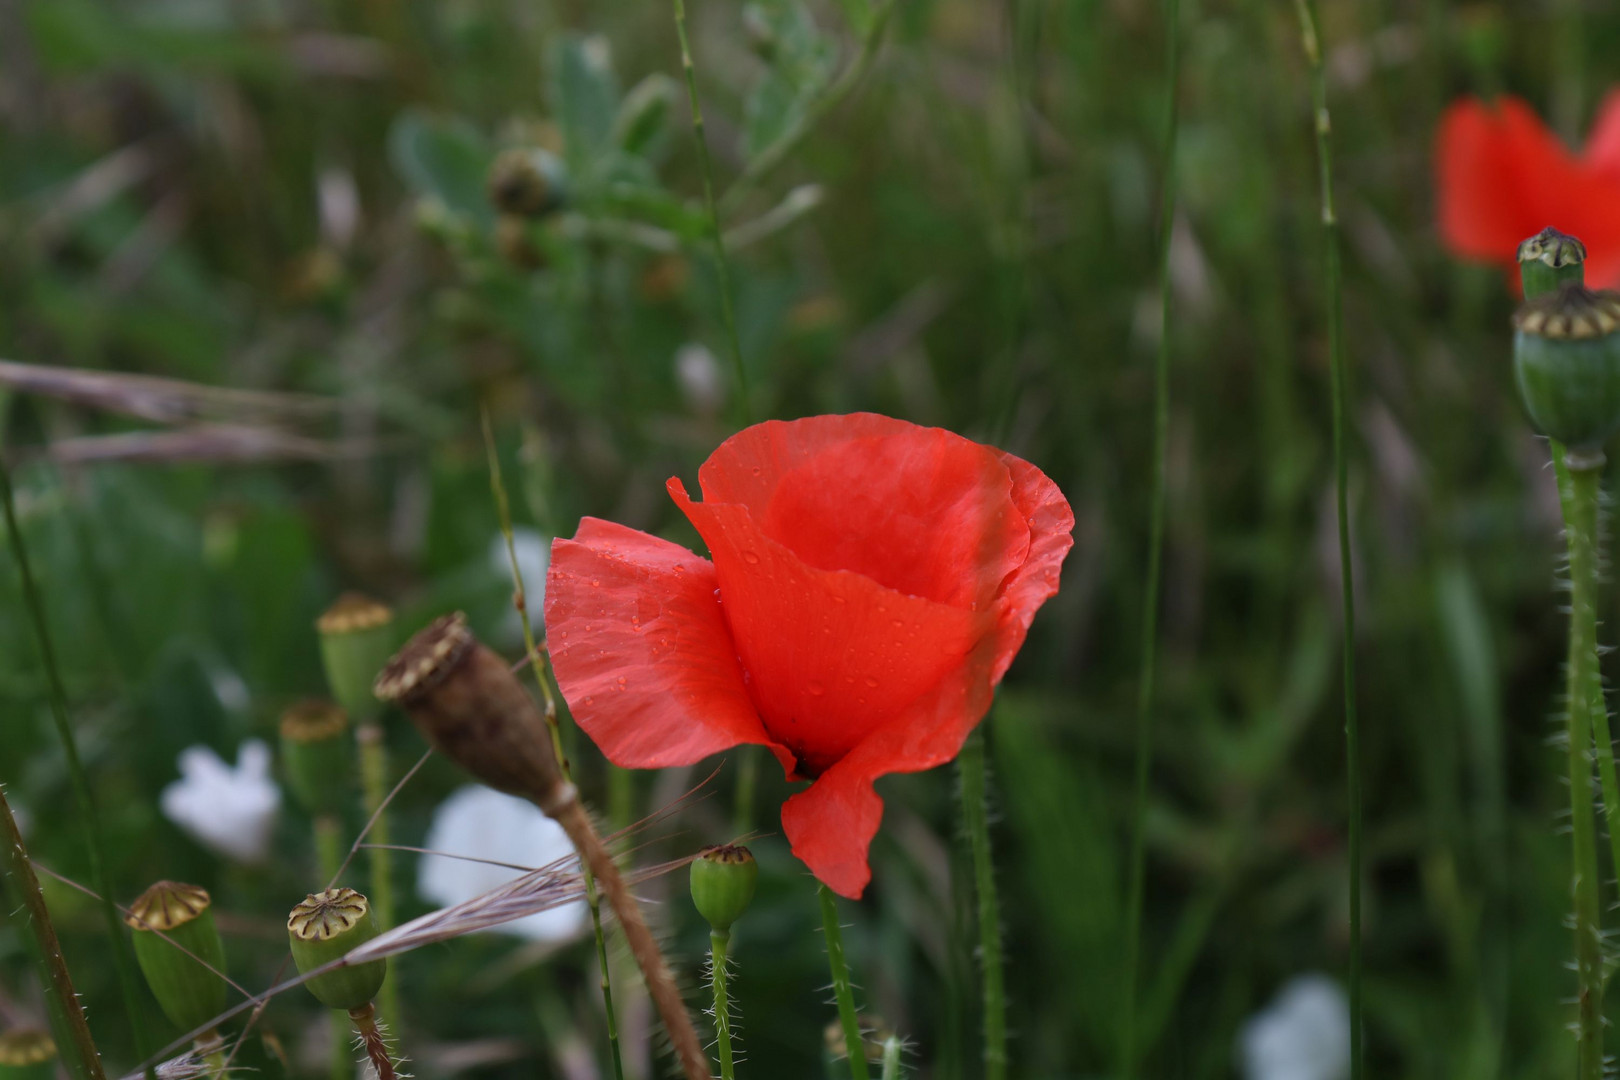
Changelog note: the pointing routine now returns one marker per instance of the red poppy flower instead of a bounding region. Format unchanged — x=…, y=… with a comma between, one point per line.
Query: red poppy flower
x=871, y=582
x=1503, y=176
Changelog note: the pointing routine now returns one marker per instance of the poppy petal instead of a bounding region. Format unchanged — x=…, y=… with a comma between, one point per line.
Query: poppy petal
x=1603, y=143
x=831, y=656
x=1051, y=534
x=831, y=824
x=826, y=486
x=641, y=649
x=1485, y=162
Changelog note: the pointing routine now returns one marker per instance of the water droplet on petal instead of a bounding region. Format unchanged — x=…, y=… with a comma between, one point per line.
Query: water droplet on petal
x=871, y=681
x=750, y=557
x=817, y=689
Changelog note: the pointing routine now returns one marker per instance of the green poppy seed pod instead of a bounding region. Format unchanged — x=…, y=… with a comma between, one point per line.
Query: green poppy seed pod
x=467, y=702
x=324, y=927
x=357, y=637
x=176, y=944
x=1549, y=259
x=527, y=182
x=723, y=881
x=316, y=755
x=27, y=1054
x=1566, y=361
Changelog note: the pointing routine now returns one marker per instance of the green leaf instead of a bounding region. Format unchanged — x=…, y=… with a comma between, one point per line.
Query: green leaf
x=584, y=95
x=643, y=120
x=443, y=158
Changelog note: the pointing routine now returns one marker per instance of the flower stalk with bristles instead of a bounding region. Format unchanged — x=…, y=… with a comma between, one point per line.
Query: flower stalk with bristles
x=470, y=706
x=723, y=883
x=357, y=637
x=1566, y=360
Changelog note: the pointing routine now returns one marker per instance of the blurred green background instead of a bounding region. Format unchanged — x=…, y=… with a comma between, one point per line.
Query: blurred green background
x=290, y=196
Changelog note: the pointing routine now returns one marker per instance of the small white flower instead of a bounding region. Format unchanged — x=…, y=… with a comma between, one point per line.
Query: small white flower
x=231, y=811
x=700, y=379
x=533, y=549
x=481, y=823
x=1304, y=1034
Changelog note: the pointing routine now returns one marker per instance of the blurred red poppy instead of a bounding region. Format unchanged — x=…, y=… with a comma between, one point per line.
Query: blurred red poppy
x=872, y=580
x=1502, y=176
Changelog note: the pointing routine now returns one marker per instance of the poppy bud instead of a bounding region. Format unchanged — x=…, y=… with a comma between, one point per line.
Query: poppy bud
x=357, y=636
x=467, y=702
x=27, y=1054
x=1549, y=259
x=315, y=753
x=324, y=927
x=526, y=181
x=1566, y=361
x=177, y=967
x=723, y=880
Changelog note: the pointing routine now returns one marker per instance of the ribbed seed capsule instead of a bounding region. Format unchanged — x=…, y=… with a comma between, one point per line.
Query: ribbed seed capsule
x=723, y=882
x=27, y=1054
x=176, y=944
x=324, y=927
x=1566, y=361
x=357, y=637
x=526, y=181
x=1550, y=259
x=317, y=755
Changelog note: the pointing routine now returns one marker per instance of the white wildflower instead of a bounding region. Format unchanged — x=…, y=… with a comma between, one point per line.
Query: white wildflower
x=231, y=811
x=1304, y=1034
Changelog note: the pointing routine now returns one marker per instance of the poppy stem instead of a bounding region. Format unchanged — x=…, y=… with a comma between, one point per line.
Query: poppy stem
x=329, y=856
x=1136, y=888
x=80, y=782
x=67, y=1015
x=719, y=940
x=892, y=1046
x=1312, y=45
x=721, y=268
x=1581, y=530
x=976, y=819
x=374, y=789
x=503, y=509
x=843, y=990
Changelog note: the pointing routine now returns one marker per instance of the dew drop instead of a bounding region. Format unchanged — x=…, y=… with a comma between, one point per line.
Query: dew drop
x=816, y=689
x=595, y=583
x=750, y=557
x=590, y=701
x=622, y=682
x=871, y=681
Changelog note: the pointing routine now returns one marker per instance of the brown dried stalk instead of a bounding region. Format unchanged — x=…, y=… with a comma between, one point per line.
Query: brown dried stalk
x=468, y=704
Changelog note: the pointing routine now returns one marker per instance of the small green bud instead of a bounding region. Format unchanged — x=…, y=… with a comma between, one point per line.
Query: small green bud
x=324, y=927
x=316, y=753
x=27, y=1054
x=1549, y=259
x=527, y=182
x=1566, y=361
x=723, y=881
x=189, y=993
x=357, y=638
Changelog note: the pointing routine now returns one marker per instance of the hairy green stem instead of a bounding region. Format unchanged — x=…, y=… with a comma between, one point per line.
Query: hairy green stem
x=1581, y=532
x=976, y=819
x=1341, y=480
x=721, y=268
x=843, y=989
x=123, y=964
x=503, y=510
x=719, y=940
x=67, y=1016
x=374, y=788
x=891, y=1057
x=1136, y=897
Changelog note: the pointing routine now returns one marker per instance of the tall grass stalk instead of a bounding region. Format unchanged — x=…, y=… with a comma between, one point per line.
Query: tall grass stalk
x=843, y=989
x=1581, y=531
x=67, y=1015
x=721, y=267
x=503, y=509
x=1136, y=898
x=1312, y=44
x=123, y=964
x=976, y=820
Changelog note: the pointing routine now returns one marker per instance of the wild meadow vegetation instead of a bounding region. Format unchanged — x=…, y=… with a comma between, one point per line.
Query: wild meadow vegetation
x=309, y=301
